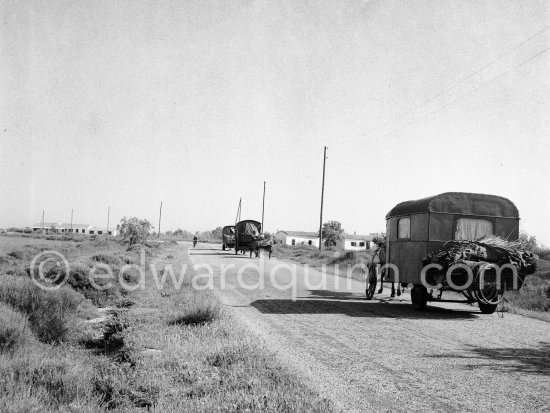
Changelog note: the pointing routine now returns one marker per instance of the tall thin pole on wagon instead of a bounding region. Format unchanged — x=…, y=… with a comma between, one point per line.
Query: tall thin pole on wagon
x=322, y=199
x=238, y=217
x=263, y=205
x=43, y=220
x=160, y=215
x=108, y=216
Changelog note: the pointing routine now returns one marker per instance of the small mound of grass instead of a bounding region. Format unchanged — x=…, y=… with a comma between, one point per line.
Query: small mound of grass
x=229, y=356
x=199, y=310
x=25, y=254
x=108, y=259
x=126, y=259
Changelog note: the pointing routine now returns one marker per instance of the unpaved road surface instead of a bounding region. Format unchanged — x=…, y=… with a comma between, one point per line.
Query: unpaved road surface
x=381, y=355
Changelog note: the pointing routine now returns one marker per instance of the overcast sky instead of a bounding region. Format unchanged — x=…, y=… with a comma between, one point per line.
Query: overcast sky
x=196, y=103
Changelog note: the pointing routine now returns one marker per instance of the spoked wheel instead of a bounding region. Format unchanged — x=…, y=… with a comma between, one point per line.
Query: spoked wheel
x=490, y=295
x=371, y=282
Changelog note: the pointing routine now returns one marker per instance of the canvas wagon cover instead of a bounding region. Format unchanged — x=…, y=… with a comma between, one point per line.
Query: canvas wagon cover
x=458, y=203
x=228, y=230
x=248, y=227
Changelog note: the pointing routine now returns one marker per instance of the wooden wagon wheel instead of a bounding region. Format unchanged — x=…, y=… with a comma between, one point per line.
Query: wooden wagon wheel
x=371, y=281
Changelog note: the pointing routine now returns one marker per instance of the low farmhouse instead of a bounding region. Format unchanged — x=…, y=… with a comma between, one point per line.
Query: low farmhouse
x=64, y=228
x=355, y=242
x=298, y=238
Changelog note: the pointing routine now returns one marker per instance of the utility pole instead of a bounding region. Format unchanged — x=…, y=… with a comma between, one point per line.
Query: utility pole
x=263, y=206
x=43, y=221
x=322, y=199
x=160, y=215
x=71, y=220
x=108, y=215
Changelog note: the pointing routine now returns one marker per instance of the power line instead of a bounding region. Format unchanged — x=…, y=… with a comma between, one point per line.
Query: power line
x=430, y=99
x=467, y=94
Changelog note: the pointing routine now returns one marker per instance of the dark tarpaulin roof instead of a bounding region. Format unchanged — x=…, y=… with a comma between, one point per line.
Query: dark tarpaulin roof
x=248, y=226
x=229, y=229
x=458, y=203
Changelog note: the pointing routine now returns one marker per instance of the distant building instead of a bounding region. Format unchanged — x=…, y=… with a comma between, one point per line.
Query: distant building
x=64, y=228
x=298, y=238
x=355, y=242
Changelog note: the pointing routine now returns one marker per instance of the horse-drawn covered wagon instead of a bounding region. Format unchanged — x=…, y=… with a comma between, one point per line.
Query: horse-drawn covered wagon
x=249, y=237
x=454, y=241
x=228, y=237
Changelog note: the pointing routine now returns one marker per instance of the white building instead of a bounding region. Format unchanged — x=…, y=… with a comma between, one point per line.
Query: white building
x=298, y=238
x=355, y=242
x=62, y=228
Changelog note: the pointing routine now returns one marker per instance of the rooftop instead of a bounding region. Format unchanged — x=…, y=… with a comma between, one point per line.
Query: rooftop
x=358, y=237
x=301, y=234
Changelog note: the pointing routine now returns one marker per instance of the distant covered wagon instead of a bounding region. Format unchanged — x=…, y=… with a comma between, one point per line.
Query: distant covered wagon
x=228, y=237
x=248, y=237
x=459, y=234
x=245, y=233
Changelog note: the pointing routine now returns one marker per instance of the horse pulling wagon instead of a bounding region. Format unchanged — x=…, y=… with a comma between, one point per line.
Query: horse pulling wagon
x=454, y=241
x=248, y=237
x=228, y=237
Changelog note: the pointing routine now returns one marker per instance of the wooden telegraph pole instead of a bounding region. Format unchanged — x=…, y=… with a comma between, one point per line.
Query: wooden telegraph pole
x=71, y=220
x=160, y=215
x=322, y=199
x=263, y=206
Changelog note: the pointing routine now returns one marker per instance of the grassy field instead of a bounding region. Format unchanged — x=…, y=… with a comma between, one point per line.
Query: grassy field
x=164, y=349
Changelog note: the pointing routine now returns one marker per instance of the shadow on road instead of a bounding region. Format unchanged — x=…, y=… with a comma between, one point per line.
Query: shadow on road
x=358, y=309
x=514, y=360
x=333, y=295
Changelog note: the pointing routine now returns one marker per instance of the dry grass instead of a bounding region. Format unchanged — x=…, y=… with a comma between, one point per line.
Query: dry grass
x=351, y=264
x=49, y=313
x=534, y=296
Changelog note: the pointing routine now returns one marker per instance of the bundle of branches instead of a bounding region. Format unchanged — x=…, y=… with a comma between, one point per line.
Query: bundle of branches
x=492, y=249
x=263, y=240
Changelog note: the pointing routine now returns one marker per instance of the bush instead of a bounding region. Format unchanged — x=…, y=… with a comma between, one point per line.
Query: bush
x=14, y=332
x=50, y=313
x=26, y=254
x=108, y=259
x=198, y=309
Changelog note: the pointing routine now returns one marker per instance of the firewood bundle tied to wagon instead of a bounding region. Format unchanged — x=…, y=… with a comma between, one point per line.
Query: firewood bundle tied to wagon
x=487, y=267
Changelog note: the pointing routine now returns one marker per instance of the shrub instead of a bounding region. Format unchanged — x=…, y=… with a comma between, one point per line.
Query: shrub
x=79, y=280
x=199, y=309
x=26, y=254
x=6, y=259
x=50, y=313
x=126, y=259
x=14, y=332
x=108, y=259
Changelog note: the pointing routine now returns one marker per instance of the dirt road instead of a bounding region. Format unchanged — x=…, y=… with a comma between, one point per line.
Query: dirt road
x=381, y=355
